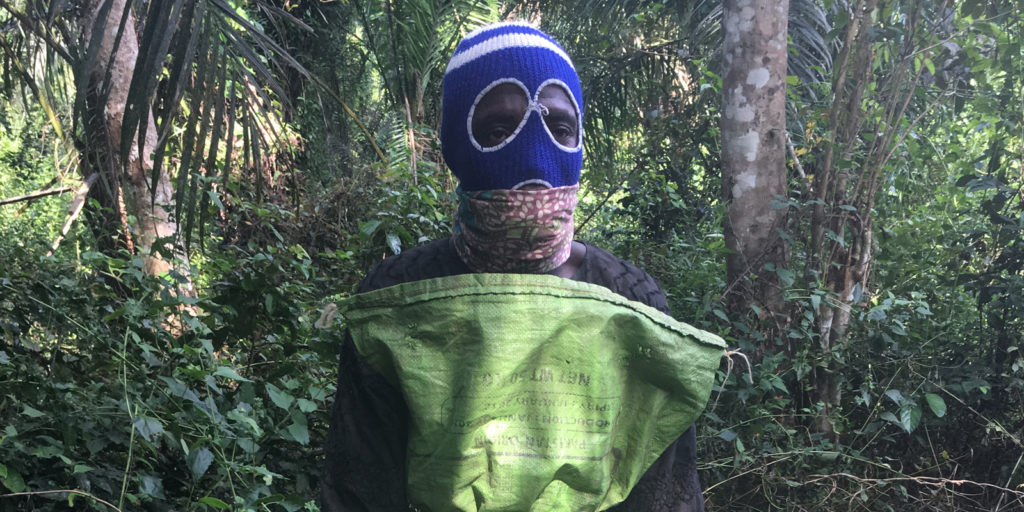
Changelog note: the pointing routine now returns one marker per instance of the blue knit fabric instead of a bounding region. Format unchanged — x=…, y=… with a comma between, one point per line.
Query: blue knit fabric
x=507, y=52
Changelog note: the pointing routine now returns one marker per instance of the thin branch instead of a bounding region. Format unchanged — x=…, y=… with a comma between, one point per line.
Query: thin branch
x=34, y=195
x=999, y=427
x=738, y=475
x=412, y=143
x=796, y=164
x=73, y=211
x=606, y=198
x=58, y=491
x=922, y=480
x=1009, y=480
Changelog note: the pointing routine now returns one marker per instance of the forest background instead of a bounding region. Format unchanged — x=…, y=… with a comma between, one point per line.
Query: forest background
x=214, y=172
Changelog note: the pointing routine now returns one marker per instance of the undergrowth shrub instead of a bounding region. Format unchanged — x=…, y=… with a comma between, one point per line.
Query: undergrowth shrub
x=156, y=401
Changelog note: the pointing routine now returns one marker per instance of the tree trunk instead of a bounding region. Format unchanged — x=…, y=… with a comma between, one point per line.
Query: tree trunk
x=125, y=186
x=754, y=156
x=864, y=130
x=839, y=265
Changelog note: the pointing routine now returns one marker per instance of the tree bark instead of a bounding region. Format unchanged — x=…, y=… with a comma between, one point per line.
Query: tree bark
x=753, y=127
x=864, y=131
x=126, y=185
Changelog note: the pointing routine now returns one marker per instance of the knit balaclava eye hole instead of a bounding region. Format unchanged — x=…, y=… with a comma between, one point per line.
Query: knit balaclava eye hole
x=513, y=55
x=505, y=107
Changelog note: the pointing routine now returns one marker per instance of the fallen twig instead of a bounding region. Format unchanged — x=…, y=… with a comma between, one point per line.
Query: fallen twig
x=931, y=481
x=74, y=209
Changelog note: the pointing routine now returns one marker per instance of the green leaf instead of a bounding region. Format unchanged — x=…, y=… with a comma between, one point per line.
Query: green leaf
x=148, y=427
x=152, y=485
x=394, y=243
x=13, y=481
x=48, y=451
x=280, y=398
x=215, y=197
x=214, y=502
x=248, y=445
x=910, y=417
x=81, y=468
x=890, y=417
x=786, y=276
x=230, y=373
x=827, y=456
x=877, y=313
x=268, y=476
x=306, y=405
x=299, y=432
x=831, y=235
x=32, y=412
x=895, y=395
x=240, y=417
x=369, y=227
x=937, y=404
x=777, y=383
x=199, y=461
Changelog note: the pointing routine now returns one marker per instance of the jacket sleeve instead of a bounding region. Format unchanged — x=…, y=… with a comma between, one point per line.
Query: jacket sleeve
x=366, y=442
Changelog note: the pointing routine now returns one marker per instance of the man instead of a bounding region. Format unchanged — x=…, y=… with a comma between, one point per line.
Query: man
x=512, y=133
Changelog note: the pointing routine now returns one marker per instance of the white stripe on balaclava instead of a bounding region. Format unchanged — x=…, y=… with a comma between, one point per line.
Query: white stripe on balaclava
x=516, y=53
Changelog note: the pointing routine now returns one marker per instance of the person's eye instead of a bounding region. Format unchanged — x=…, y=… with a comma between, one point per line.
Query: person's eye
x=563, y=133
x=497, y=134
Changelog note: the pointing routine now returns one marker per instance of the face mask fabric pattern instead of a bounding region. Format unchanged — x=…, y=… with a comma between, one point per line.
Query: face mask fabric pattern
x=520, y=231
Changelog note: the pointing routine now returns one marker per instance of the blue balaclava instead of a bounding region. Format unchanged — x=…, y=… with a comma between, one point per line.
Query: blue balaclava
x=511, y=52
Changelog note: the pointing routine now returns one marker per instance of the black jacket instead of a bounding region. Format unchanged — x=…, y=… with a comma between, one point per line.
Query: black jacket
x=365, y=467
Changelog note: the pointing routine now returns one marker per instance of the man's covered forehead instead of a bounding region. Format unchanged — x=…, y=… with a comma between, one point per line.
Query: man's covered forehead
x=503, y=36
x=509, y=50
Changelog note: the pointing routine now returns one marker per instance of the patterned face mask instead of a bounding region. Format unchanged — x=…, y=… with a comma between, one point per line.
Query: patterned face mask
x=515, y=231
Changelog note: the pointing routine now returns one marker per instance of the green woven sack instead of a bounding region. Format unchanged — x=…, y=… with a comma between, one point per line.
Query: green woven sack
x=531, y=392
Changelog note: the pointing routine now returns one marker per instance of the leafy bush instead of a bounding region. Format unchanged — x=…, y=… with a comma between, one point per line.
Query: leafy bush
x=162, y=402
